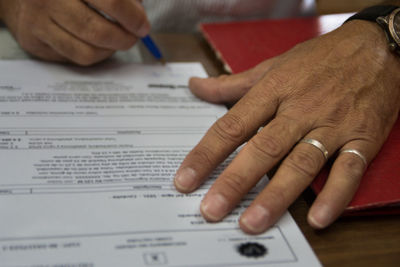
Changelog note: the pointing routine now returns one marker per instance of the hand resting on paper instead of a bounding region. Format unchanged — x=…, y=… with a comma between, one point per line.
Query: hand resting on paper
x=340, y=91
x=72, y=31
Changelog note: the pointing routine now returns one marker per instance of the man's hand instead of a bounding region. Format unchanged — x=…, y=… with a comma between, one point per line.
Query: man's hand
x=342, y=89
x=72, y=30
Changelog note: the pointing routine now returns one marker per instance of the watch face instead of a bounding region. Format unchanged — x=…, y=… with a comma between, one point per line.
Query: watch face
x=395, y=26
x=396, y=23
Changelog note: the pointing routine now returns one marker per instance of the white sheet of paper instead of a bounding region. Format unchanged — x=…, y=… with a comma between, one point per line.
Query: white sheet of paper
x=87, y=159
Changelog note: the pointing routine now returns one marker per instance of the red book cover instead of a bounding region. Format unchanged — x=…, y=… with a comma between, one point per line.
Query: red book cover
x=242, y=45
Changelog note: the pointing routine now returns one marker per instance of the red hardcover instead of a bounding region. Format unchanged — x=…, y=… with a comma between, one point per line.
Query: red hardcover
x=242, y=45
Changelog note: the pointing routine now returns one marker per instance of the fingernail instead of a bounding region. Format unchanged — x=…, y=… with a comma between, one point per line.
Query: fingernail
x=320, y=216
x=185, y=179
x=214, y=207
x=256, y=219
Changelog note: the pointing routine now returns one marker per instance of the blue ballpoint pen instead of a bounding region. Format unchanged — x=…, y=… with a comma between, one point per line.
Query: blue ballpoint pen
x=152, y=47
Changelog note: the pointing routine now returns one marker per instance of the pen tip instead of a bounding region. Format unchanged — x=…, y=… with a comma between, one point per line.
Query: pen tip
x=162, y=61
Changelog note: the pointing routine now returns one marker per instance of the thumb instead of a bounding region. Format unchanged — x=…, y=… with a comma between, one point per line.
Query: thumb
x=228, y=88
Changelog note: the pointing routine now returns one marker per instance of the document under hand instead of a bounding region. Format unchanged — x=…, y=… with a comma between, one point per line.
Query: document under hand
x=87, y=160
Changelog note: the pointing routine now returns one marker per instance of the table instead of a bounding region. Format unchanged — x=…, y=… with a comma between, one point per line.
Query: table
x=351, y=241
x=355, y=241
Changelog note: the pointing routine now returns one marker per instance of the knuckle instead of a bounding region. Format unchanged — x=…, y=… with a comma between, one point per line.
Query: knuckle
x=128, y=42
x=230, y=127
x=337, y=113
x=266, y=92
x=87, y=57
x=222, y=79
x=217, y=92
x=278, y=85
x=353, y=165
x=140, y=20
x=304, y=163
x=202, y=155
x=276, y=78
x=266, y=147
x=234, y=184
x=97, y=36
x=277, y=196
x=107, y=36
x=365, y=127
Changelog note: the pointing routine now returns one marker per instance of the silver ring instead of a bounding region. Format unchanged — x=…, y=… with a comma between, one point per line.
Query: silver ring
x=355, y=152
x=317, y=144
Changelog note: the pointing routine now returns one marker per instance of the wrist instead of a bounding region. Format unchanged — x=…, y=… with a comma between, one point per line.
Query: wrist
x=375, y=57
x=367, y=37
x=367, y=32
x=373, y=38
x=364, y=45
x=388, y=17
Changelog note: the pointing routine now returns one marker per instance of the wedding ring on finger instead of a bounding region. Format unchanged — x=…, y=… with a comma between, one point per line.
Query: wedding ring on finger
x=355, y=152
x=317, y=144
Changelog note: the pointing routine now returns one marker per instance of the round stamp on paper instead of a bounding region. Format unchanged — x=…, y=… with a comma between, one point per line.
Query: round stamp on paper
x=252, y=250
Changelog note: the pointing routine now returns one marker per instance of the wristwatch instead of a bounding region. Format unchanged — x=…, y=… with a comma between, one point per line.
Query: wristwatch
x=388, y=17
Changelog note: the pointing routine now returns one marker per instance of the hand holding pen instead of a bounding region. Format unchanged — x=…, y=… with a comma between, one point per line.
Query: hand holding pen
x=146, y=40
x=73, y=31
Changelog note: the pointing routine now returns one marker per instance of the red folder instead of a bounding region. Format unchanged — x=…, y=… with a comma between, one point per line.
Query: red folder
x=242, y=45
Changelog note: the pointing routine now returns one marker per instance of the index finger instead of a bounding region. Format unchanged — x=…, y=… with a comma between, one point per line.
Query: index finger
x=224, y=136
x=129, y=14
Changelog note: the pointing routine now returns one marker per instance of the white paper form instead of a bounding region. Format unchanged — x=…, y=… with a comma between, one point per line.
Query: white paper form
x=87, y=159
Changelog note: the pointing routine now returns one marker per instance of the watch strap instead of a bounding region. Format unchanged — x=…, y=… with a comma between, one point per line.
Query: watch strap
x=373, y=12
